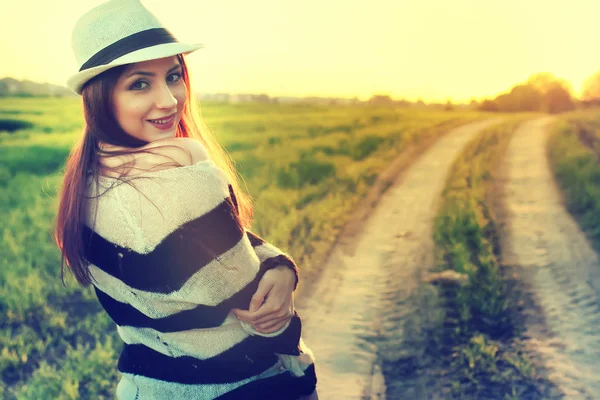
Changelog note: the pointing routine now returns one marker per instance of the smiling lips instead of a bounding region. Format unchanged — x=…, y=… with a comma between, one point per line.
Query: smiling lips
x=164, y=124
x=162, y=120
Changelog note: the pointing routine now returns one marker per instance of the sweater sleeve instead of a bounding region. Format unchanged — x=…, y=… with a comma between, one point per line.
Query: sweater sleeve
x=269, y=255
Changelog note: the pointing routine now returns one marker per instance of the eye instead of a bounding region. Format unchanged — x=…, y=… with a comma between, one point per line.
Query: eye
x=178, y=76
x=135, y=87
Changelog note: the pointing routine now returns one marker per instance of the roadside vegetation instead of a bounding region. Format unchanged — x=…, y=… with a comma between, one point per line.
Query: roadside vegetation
x=574, y=154
x=479, y=337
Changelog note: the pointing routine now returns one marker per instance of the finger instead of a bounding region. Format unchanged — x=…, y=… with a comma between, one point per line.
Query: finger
x=256, y=303
x=252, y=317
x=243, y=315
x=280, y=309
x=263, y=313
x=275, y=316
x=271, y=327
x=259, y=297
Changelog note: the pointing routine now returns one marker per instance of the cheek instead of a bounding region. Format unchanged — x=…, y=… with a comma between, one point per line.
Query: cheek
x=180, y=95
x=131, y=111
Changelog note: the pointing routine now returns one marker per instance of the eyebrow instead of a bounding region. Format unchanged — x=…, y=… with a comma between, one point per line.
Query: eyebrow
x=151, y=73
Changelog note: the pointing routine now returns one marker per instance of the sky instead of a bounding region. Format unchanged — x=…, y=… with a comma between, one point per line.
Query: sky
x=432, y=50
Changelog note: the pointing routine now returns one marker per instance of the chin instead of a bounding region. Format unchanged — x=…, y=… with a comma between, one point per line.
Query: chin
x=161, y=134
x=166, y=135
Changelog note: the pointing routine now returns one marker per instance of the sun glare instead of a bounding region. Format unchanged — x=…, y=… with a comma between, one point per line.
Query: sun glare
x=430, y=50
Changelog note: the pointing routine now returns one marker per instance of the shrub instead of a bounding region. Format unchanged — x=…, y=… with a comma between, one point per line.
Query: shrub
x=13, y=125
x=366, y=146
x=306, y=171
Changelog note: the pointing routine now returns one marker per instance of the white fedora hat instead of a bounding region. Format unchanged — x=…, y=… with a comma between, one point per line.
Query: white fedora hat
x=119, y=32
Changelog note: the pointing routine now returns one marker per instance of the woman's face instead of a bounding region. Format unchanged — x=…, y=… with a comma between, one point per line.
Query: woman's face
x=146, y=91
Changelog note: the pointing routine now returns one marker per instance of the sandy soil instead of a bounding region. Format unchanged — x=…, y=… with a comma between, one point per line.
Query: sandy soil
x=542, y=243
x=355, y=315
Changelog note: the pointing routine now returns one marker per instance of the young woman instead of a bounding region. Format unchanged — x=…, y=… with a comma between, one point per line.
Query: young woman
x=151, y=213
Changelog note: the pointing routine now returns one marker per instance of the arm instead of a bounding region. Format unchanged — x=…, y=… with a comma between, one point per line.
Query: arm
x=269, y=255
x=272, y=304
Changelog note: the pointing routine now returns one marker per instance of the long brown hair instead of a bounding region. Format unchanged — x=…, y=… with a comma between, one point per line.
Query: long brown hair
x=84, y=160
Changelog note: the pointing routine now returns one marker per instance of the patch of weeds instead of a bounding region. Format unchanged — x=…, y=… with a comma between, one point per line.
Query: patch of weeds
x=13, y=125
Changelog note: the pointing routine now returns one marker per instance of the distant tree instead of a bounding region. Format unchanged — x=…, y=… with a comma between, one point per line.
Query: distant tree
x=402, y=103
x=544, y=81
x=449, y=106
x=381, y=99
x=541, y=92
x=590, y=92
x=504, y=103
x=488, y=105
x=526, y=98
x=558, y=99
x=262, y=98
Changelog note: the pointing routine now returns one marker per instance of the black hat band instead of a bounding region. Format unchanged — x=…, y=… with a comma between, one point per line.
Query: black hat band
x=137, y=41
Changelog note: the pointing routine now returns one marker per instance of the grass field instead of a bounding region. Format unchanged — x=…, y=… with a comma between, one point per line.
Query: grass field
x=305, y=166
x=574, y=154
x=480, y=333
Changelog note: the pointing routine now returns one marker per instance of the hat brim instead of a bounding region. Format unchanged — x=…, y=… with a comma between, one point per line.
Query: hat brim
x=76, y=82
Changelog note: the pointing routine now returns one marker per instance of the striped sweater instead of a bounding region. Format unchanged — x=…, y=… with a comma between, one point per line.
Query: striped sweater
x=170, y=260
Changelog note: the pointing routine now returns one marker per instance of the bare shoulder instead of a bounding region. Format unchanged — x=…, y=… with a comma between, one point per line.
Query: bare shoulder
x=160, y=154
x=184, y=151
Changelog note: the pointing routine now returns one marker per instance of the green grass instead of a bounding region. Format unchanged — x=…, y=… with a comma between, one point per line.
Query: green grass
x=480, y=334
x=573, y=155
x=306, y=167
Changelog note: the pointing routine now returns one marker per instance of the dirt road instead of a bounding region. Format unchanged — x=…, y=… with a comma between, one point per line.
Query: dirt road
x=360, y=305
x=544, y=245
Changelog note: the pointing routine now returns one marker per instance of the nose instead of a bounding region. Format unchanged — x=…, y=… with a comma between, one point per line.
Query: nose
x=164, y=98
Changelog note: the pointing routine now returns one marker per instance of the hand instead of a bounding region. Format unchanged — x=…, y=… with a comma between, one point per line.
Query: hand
x=273, y=303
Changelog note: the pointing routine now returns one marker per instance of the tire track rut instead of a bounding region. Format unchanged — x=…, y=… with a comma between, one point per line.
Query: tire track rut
x=543, y=244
